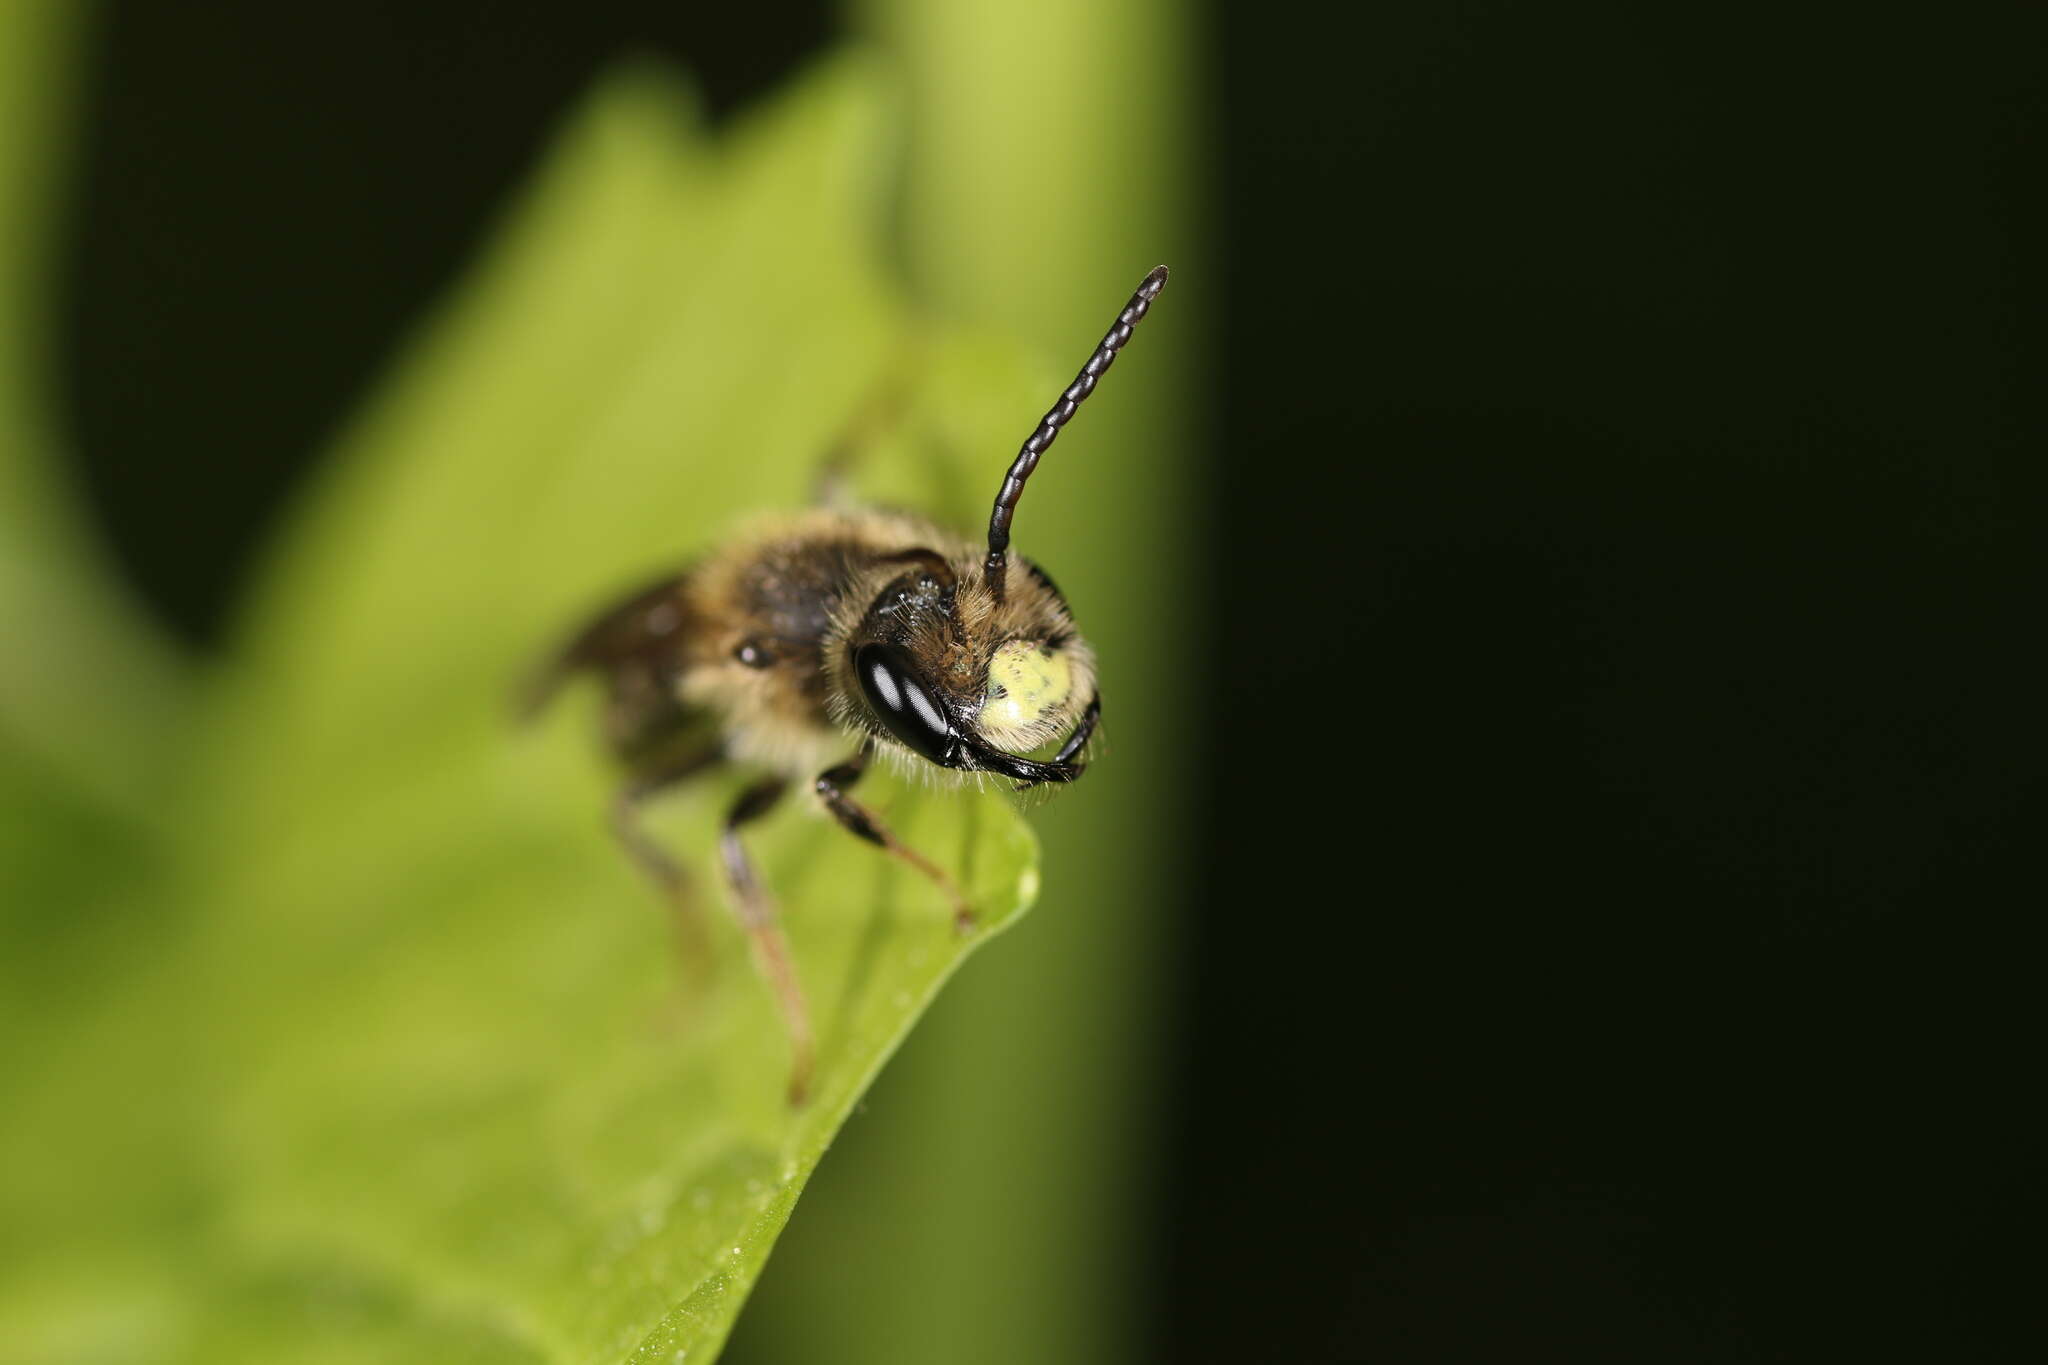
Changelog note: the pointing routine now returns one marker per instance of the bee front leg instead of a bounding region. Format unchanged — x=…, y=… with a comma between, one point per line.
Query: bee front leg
x=757, y=916
x=859, y=820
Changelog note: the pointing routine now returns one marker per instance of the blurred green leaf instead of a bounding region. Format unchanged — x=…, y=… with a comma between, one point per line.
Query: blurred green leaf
x=420, y=1078
x=89, y=691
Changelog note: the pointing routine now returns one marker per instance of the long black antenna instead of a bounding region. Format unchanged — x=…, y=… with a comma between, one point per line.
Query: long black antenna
x=1049, y=425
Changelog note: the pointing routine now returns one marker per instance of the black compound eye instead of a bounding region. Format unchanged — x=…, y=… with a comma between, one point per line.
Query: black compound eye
x=903, y=704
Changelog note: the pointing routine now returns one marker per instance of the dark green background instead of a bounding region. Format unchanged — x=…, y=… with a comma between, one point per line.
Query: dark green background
x=1623, y=765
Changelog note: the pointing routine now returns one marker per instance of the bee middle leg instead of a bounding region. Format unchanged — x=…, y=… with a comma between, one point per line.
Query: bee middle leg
x=858, y=820
x=757, y=916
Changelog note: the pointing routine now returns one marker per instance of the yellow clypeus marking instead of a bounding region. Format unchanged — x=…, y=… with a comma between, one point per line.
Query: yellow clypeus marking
x=1026, y=684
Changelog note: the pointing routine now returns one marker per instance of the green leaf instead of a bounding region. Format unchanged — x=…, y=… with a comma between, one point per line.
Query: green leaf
x=423, y=1079
x=91, y=694
x=89, y=690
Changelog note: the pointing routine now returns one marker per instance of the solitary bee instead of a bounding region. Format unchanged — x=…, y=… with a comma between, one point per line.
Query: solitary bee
x=816, y=642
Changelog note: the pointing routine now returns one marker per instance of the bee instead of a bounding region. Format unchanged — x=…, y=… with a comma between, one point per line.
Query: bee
x=815, y=643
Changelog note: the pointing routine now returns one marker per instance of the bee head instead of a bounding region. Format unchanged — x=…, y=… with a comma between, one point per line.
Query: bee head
x=971, y=670
x=973, y=684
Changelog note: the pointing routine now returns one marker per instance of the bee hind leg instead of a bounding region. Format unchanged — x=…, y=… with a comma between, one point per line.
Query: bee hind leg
x=877, y=414
x=861, y=822
x=771, y=949
x=650, y=780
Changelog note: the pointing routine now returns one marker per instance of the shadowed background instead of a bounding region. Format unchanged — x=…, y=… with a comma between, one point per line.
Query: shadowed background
x=1614, y=756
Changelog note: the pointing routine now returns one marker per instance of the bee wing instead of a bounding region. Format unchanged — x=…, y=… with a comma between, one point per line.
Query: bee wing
x=636, y=645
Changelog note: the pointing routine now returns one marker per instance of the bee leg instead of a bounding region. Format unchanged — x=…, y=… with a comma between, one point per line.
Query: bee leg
x=859, y=820
x=879, y=411
x=757, y=916
x=653, y=860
